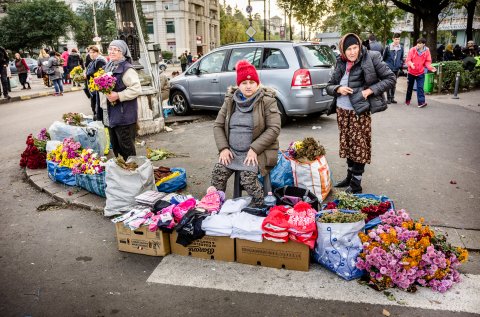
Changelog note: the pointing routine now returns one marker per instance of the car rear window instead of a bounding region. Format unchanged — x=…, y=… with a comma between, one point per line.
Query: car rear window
x=251, y=54
x=316, y=55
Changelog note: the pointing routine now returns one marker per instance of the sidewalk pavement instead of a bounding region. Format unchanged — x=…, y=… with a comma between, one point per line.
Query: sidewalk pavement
x=78, y=197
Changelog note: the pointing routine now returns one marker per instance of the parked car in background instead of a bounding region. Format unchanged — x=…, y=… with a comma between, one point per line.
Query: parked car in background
x=298, y=72
x=32, y=64
x=162, y=65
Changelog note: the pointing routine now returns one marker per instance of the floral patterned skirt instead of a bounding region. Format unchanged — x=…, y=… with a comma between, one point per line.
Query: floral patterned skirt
x=355, y=135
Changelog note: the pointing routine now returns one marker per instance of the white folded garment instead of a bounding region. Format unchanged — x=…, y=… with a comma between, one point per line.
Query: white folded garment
x=250, y=237
x=235, y=205
x=218, y=222
x=248, y=223
x=219, y=233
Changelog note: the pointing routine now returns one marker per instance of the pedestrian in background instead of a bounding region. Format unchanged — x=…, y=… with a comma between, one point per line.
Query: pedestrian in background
x=246, y=133
x=374, y=45
x=55, y=69
x=66, y=75
x=74, y=60
x=97, y=61
x=189, y=59
x=418, y=59
x=183, y=62
x=441, y=53
x=42, y=63
x=22, y=71
x=121, y=103
x=457, y=53
x=3, y=72
x=358, y=84
x=164, y=86
x=393, y=56
x=448, y=54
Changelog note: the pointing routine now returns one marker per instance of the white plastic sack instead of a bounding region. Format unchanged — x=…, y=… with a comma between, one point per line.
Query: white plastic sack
x=92, y=136
x=338, y=247
x=123, y=186
x=52, y=145
x=314, y=176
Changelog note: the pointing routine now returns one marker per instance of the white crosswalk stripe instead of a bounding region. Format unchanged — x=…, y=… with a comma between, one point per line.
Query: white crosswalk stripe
x=318, y=283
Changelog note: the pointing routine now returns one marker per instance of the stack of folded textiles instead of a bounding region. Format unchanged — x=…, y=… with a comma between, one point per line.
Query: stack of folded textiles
x=275, y=225
x=138, y=216
x=247, y=227
x=302, y=226
x=149, y=197
x=221, y=224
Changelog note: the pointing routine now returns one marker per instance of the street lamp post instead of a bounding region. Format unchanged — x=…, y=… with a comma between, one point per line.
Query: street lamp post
x=95, y=30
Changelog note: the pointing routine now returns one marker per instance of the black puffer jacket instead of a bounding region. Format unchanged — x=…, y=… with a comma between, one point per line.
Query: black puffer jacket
x=369, y=71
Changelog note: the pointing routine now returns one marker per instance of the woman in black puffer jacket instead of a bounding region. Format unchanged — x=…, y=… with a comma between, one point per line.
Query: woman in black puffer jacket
x=358, y=82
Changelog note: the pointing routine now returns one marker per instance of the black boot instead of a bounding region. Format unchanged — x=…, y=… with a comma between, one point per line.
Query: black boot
x=355, y=185
x=347, y=179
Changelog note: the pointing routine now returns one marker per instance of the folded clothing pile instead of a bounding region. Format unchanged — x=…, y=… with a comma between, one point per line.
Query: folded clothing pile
x=138, y=216
x=247, y=227
x=149, y=197
x=163, y=220
x=275, y=225
x=302, y=227
x=218, y=225
x=189, y=228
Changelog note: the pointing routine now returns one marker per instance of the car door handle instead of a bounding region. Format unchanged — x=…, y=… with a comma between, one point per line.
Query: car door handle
x=215, y=81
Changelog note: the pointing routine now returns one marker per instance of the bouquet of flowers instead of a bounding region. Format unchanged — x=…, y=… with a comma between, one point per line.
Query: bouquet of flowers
x=371, y=207
x=102, y=82
x=403, y=252
x=66, y=154
x=308, y=149
x=34, y=156
x=73, y=118
x=77, y=74
x=88, y=162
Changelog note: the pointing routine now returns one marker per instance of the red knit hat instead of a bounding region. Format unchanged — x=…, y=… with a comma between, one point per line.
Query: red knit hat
x=246, y=71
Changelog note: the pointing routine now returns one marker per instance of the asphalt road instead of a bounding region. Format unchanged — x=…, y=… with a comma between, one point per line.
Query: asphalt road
x=65, y=263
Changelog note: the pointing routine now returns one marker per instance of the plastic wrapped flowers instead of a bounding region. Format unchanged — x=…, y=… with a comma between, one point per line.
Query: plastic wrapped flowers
x=81, y=161
x=404, y=253
x=77, y=74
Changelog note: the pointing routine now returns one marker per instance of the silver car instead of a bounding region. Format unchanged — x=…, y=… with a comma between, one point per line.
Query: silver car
x=297, y=71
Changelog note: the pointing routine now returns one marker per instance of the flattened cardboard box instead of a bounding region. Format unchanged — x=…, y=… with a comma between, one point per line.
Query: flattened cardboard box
x=208, y=247
x=142, y=241
x=291, y=255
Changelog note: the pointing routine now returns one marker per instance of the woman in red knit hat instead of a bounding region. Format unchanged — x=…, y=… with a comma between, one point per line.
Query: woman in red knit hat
x=246, y=133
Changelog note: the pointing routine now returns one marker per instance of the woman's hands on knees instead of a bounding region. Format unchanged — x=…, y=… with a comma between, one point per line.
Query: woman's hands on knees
x=251, y=158
x=226, y=157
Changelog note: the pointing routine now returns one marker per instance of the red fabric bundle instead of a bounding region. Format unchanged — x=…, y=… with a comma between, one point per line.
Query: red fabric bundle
x=302, y=226
x=275, y=225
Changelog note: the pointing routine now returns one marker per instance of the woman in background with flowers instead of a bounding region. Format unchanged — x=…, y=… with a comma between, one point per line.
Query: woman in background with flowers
x=42, y=63
x=121, y=103
x=56, y=77
x=98, y=61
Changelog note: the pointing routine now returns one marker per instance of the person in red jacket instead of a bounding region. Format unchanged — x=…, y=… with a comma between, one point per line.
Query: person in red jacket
x=418, y=58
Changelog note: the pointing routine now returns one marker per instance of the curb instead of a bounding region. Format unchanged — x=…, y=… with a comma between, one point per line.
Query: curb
x=75, y=196
x=35, y=95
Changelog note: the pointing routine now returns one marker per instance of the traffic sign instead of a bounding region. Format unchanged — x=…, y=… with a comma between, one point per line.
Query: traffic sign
x=249, y=9
x=97, y=39
x=251, y=31
x=251, y=39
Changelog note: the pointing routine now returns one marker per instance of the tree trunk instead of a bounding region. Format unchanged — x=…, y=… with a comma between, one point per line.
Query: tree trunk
x=430, y=30
x=470, y=14
x=416, y=28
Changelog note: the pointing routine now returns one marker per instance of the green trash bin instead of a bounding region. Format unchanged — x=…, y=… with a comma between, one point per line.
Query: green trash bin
x=429, y=77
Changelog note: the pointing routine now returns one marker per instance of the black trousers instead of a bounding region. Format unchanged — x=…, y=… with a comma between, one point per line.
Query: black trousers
x=23, y=79
x=4, y=80
x=123, y=140
x=391, y=92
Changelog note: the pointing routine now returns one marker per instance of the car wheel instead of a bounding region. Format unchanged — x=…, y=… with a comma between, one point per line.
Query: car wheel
x=34, y=70
x=163, y=67
x=180, y=103
x=283, y=114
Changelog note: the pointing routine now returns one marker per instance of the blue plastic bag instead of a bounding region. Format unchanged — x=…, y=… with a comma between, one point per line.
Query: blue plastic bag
x=93, y=183
x=281, y=175
x=60, y=174
x=338, y=246
x=375, y=221
x=175, y=183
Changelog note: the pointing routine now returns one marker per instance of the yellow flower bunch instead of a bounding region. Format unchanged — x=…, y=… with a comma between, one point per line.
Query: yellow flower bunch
x=91, y=83
x=77, y=74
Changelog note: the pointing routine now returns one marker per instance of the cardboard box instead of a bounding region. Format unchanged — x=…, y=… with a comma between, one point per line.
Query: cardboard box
x=142, y=241
x=212, y=248
x=291, y=255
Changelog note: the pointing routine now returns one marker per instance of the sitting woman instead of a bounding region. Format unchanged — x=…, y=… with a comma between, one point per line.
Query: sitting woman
x=246, y=133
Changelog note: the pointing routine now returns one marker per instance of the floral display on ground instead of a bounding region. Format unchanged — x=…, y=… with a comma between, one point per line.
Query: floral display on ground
x=34, y=156
x=404, y=253
x=81, y=161
x=73, y=118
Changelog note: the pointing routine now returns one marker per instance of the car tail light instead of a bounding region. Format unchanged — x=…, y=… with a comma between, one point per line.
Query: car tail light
x=301, y=77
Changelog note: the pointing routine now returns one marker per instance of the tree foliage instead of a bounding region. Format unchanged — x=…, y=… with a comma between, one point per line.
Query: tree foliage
x=35, y=23
x=370, y=16
x=105, y=16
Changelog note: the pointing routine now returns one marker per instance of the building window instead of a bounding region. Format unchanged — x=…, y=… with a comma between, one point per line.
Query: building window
x=150, y=27
x=170, y=26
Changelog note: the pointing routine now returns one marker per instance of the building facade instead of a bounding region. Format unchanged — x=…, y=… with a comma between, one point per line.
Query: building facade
x=183, y=25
